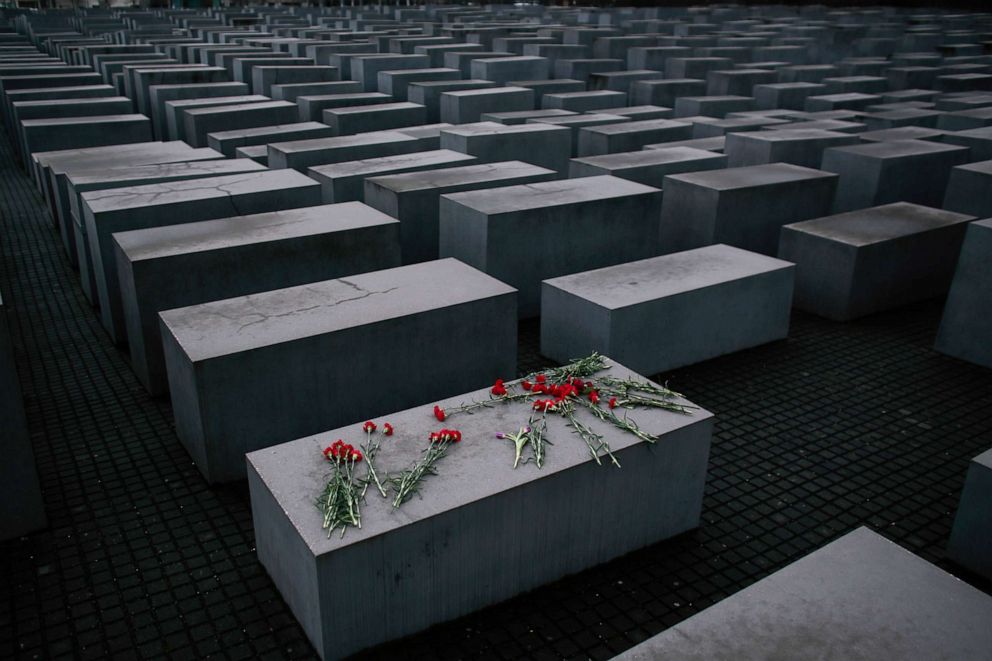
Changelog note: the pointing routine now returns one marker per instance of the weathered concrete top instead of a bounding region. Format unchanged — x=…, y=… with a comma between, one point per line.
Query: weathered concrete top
x=273, y=130
x=883, y=223
x=157, y=242
x=495, y=128
x=390, y=163
x=546, y=194
x=623, y=285
x=239, y=108
x=485, y=91
x=985, y=458
x=752, y=175
x=899, y=148
x=84, y=179
x=248, y=322
x=634, y=127
x=791, y=135
x=479, y=467
x=316, y=144
x=649, y=157
x=860, y=598
x=137, y=197
x=79, y=121
x=460, y=176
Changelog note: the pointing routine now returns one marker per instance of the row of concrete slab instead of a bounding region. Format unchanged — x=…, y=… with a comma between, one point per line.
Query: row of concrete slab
x=662, y=207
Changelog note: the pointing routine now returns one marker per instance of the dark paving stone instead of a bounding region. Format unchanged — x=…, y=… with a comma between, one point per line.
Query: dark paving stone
x=839, y=426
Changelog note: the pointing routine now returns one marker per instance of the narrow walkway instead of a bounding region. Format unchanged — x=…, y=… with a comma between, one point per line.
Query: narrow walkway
x=842, y=425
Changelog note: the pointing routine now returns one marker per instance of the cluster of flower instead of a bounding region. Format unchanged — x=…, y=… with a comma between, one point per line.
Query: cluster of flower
x=370, y=427
x=446, y=436
x=340, y=452
x=559, y=391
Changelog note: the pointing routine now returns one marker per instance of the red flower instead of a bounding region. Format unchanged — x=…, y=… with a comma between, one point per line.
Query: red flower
x=439, y=413
x=499, y=389
x=544, y=405
x=368, y=427
x=446, y=436
x=387, y=429
x=526, y=385
x=613, y=402
x=541, y=378
x=594, y=397
x=355, y=455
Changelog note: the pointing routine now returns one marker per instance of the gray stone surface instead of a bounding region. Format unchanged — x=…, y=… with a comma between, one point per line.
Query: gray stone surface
x=345, y=182
x=539, y=144
x=158, y=95
x=527, y=233
x=41, y=135
x=365, y=68
x=376, y=117
x=979, y=141
x=467, y=106
x=312, y=107
x=82, y=180
x=428, y=93
x=666, y=312
x=502, y=70
x=22, y=509
x=969, y=189
x=263, y=78
x=303, y=154
x=630, y=136
x=157, y=205
x=396, y=83
x=860, y=598
x=584, y=101
x=471, y=511
x=649, y=166
x=971, y=537
x=853, y=264
x=743, y=207
x=174, y=111
x=898, y=171
x=414, y=198
x=251, y=372
x=228, y=142
x=176, y=266
x=797, y=146
x=966, y=326
x=199, y=122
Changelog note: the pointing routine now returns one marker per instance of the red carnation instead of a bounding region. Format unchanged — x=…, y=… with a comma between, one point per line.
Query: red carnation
x=613, y=402
x=368, y=427
x=498, y=389
x=594, y=397
x=356, y=456
x=541, y=378
x=439, y=413
x=526, y=385
x=387, y=429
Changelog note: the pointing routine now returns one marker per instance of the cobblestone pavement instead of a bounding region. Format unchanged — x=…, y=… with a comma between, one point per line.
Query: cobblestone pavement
x=841, y=425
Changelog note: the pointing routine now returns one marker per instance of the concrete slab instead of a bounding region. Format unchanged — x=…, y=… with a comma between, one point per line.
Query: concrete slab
x=966, y=325
x=250, y=372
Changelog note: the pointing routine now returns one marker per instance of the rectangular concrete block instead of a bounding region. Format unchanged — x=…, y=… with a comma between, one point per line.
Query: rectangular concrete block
x=966, y=326
x=174, y=111
x=251, y=372
x=570, y=226
x=345, y=182
x=899, y=171
x=312, y=107
x=155, y=205
x=797, y=146
x=376, y=117
x=470, y=511
x=665, y=312
x=630, y=136
x=199, y=122
x=853, y=264
x=649, y=166
x=467, y=106
x=969, y=189
x=743, y=207
x=303, y=154
x=176, y=266
x=228, y=142
x=971, y=537
x=42, y=135
x=414, y=198
x=538, y=144
x=861, y=595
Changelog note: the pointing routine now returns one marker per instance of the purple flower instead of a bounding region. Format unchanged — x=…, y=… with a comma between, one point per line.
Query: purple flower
x=500, y=435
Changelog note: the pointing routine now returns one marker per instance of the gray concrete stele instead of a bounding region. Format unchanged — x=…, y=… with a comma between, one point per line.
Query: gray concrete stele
x=479, y=519
x=966, y=327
